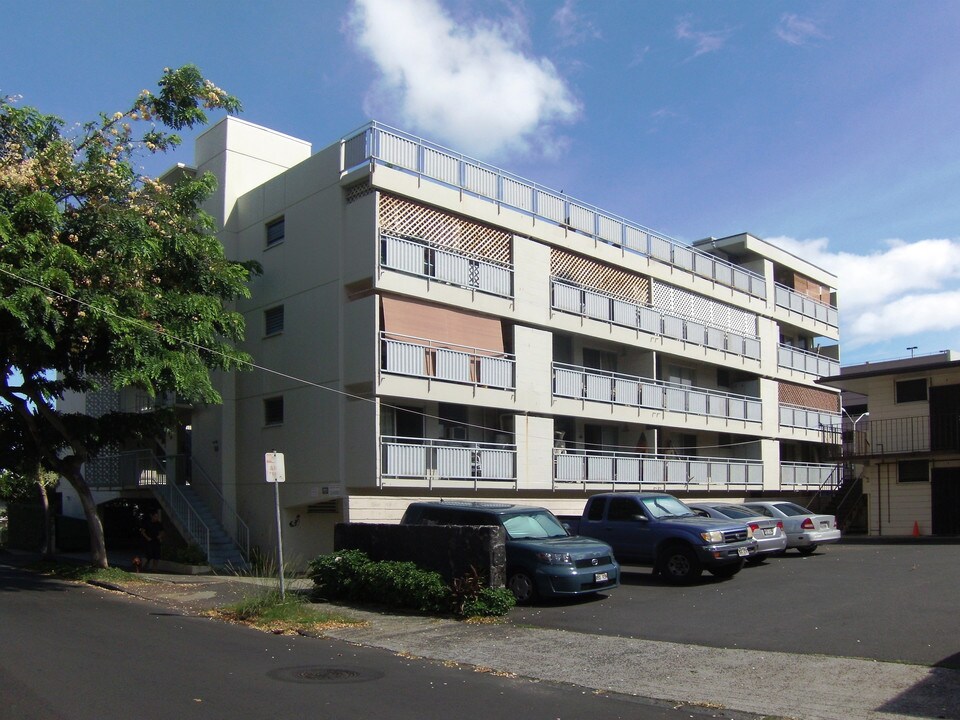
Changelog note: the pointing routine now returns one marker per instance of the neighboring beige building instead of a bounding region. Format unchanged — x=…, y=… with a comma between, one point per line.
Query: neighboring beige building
x=429, y=326
x=901, y=442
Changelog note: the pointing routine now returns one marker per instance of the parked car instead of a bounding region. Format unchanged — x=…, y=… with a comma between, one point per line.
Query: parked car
x=543, y=559
x=657, y=530
x=805, y=529
x=768, y=532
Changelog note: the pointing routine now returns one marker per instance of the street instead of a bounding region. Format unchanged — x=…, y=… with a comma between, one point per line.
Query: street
x=882, y=601
x=71, y=651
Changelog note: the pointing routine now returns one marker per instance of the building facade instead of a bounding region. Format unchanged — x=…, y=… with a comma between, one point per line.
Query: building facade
x=429, y=326
x=901, y=442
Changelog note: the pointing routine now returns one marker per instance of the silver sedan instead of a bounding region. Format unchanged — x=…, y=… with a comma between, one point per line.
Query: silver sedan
x=768, y=532
x=805, y=529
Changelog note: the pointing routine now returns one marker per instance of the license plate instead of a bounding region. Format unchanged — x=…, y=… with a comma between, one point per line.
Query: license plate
x=743, y=552
x=824, y=524
x=768, y=531
x=600, y=577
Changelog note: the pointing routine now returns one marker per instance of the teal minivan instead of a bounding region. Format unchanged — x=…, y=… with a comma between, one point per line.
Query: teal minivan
x=543, y=559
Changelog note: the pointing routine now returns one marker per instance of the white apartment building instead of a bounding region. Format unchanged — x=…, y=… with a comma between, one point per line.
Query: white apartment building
x=429, y=326
x=434, y=327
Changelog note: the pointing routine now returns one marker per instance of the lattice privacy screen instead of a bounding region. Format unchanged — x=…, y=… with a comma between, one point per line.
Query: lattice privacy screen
x=597, y=276
x=675, y=301
x=808, y=398
x=442, y=229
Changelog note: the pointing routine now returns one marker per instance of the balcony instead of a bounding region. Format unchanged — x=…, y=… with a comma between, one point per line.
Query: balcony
x=804, y=305
x=580, y=383
x=791, y=358
x=422, y=462
x=429, y=359
x=593, y=304
x=809, y=476
x=378, y=143
x=903, y=436
x=794, y=416
x=414, y=257
x=595, y=471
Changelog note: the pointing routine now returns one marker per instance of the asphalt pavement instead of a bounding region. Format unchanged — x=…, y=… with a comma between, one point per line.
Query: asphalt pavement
x=777, y=684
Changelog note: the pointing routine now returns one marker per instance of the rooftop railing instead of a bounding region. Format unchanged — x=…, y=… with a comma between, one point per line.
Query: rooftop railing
x=408, y=153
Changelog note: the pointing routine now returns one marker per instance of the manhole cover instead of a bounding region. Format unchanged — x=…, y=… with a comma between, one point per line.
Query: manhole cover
x=323, y=674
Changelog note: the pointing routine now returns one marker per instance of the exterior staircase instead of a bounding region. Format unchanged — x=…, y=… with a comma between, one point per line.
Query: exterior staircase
x=200, y=526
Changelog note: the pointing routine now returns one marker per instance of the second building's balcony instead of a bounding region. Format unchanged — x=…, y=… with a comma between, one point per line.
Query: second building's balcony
x=430, y=359
x=598, y=470
x=581, y=383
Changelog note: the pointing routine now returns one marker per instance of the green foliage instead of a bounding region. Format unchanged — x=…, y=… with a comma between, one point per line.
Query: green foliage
x=352, y=575
x=107, y=277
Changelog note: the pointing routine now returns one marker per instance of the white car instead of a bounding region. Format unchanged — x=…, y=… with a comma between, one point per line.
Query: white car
x=805, y=529
x=767, y=531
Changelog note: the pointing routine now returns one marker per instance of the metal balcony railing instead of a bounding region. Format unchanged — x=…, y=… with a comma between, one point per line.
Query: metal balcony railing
x=805, y=305
x=447, y=460
x=792, y=358
x=581, y=383
x=939, y=433
x=593, y=470
x=800, y=417
x=375, y=142
x=415, y=257
x=570, y=298
x=809, y=476
x=418, y=357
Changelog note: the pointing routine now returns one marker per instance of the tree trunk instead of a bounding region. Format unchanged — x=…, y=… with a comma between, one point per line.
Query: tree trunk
x=98, y=546
x=49, y=523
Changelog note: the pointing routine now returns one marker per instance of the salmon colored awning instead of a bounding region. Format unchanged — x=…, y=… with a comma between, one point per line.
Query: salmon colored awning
x=442, y=325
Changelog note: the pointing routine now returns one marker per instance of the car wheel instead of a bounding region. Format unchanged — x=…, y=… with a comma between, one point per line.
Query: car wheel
x=522, y=586
x=807, y=549
x=727, y=571
x=679, y=564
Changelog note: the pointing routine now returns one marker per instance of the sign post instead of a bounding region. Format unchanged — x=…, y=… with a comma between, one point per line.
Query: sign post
x=275, y=475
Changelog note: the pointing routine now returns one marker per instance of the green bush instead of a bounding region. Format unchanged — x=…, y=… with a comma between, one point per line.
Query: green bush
x=352, y=575
x=489, y=602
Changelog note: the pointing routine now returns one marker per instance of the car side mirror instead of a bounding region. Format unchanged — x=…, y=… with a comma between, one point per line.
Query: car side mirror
x=641, y=517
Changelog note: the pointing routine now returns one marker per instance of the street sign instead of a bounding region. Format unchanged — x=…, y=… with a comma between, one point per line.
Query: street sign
x=274, y=462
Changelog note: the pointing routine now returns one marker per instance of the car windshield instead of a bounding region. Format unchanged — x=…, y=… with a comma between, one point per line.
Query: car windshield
x=533, y=524
x=665, y=506
x=792, y=509
x=735, y=511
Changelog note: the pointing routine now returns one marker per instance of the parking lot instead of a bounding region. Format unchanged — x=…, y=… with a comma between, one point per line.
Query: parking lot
x=895, y=602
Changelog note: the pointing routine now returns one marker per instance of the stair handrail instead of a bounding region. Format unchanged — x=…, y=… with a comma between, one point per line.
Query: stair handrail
x=241, y=531
x=184, y=515
x=819, y=492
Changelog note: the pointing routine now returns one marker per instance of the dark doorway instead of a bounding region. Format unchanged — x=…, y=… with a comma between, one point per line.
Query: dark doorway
x=945, y=418
x=945, y=501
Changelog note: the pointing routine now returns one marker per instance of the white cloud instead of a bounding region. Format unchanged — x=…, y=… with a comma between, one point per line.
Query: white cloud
x=704, y=41
x=796, y=30
x=571, y=27
x=469, y=84
x=900, y=291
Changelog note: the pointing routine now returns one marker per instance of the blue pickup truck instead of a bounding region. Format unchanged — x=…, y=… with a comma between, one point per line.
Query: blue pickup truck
x=657, y=530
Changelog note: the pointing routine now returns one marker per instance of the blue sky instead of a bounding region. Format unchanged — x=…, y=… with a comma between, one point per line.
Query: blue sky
x=827, y=127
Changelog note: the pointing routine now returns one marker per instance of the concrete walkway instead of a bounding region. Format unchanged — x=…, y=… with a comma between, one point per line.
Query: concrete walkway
x=810, y=687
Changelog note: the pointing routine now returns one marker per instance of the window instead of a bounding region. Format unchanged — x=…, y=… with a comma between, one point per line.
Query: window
x=911, y=390
x=273, y=320
x=275, y=231
x=912, y=471
x=273, y=411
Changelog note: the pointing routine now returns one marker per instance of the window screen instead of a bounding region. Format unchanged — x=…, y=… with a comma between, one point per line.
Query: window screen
x=273, y=320
x=912, y=390
x=912, y=471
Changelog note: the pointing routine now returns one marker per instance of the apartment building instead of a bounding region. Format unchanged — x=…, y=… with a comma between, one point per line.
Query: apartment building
x=429, y=326
x=901, y=443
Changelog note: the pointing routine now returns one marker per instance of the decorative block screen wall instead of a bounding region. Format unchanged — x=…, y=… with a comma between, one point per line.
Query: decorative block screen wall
x=442, y=229
x=809, y=398
x=675, y=301
x=597, y=276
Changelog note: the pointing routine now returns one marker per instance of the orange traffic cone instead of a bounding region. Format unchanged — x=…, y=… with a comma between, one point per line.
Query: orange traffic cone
x=916, y=529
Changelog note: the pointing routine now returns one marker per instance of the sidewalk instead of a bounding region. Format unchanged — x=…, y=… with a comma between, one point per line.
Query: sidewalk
x=811, y=687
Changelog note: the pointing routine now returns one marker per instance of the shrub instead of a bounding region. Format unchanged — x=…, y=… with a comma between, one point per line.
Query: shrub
x=337, y=575
x=489, y=602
